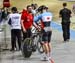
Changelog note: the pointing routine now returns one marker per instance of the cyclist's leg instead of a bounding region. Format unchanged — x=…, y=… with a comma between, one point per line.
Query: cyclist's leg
x=49, y=47
x=45, y=44
x=49, y=41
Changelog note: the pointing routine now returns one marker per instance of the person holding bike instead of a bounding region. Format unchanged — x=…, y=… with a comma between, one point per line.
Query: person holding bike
x=45, y=17
x=27, y=22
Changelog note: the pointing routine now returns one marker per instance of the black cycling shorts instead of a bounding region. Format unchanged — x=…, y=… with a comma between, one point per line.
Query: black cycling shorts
x=46, y=36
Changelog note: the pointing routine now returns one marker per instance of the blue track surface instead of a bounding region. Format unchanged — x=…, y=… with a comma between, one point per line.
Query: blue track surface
x=59, y=28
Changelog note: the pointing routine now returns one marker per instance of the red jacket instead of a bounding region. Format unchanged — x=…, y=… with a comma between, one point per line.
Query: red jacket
x=28, y=19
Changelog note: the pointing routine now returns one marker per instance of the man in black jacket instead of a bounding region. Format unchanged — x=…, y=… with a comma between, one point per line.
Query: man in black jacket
x=65, y=14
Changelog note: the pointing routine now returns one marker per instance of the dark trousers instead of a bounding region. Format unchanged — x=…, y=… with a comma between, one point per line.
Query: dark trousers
x=15, y=35
x=66, y=31
x=27, y=34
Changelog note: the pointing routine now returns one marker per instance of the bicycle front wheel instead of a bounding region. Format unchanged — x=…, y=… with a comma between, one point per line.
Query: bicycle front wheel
x=27, y=48
x=40, y=47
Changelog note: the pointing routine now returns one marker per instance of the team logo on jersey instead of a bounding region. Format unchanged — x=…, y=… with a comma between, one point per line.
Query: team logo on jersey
x=47, y=18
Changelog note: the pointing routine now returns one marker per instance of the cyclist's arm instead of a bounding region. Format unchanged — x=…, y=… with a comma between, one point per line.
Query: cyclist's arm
x=36, y=19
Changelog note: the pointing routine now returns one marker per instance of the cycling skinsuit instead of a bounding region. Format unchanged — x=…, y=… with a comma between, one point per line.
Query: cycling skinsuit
x=46, y=19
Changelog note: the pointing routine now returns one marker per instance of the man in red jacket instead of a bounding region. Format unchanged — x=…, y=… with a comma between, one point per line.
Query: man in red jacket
x=27, y=22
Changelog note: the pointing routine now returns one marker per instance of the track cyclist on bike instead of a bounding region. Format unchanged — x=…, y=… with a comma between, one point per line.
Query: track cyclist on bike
x=45, y=17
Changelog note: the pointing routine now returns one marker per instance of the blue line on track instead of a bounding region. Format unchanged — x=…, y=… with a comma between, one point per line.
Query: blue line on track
x=59, y=28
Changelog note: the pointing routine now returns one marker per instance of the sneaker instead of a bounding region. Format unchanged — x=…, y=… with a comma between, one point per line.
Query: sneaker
x=50, y=60
x=44, y=59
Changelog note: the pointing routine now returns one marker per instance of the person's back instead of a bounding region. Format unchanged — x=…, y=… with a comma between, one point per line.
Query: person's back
x=46, y=16
x=65, y=13
x=15, y=21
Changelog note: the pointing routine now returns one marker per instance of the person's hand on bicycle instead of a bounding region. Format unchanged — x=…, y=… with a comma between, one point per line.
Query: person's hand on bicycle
x=38, y=28
x=24, y=30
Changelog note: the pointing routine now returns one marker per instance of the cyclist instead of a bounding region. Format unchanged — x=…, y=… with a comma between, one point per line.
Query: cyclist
x=46, y=18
